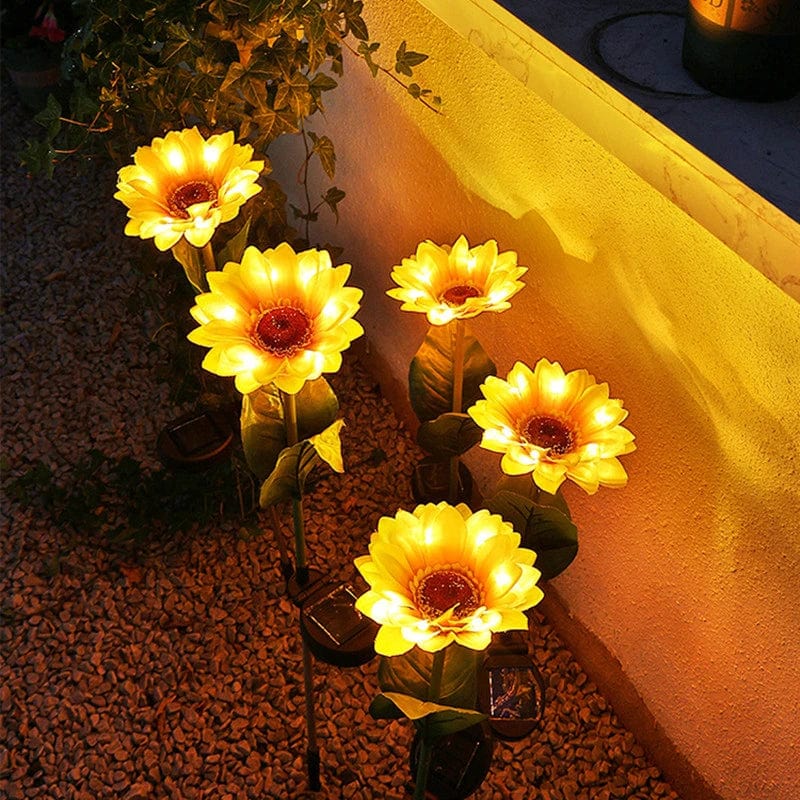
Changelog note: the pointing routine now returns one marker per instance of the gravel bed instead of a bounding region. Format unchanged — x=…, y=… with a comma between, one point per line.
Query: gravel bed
x=173, y=670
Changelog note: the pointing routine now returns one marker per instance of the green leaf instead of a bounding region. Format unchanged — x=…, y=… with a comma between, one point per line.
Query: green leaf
x=189, y=258
x=406, y=60
x=287, y=481
x=50, y=117
x=328, y=445
x=332, y=198
x=449, y=435
x=544, y=529
x=410, y=674
x=440, y=720
x=430, y=377
x=38, y=158
x=365, y=51
x=354, y=22
x=263, y=430
x=262, y=425
x=324, y=149
x=272, y=124
x=323, y=83
x=235, y=246
x=524, y=485
x=382, y=707
x=176, y=48
x=293, y=93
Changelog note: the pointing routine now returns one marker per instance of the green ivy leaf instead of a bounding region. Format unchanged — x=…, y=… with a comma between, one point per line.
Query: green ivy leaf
x=272, y=124
x=50, y=117
x=406, y=60
x=332, y=198
x=176, y=49
x=323, y=83
x=365, y=50
x=354, y=22
x=430, y=376
x=293, y=93
x=449, y=435
x=544, y=529
x=38, y=158
x=323, y=147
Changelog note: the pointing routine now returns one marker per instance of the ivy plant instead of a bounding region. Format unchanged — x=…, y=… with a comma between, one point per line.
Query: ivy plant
x=262, y=68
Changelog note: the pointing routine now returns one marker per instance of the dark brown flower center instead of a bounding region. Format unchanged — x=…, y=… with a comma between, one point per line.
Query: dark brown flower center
x=445, y=589
x=458, y=295
x=283, y=330
x=549, y=433
x=188, y=194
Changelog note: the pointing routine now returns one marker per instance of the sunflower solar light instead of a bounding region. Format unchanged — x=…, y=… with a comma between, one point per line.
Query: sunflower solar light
x=277, y=322
x=450, y=285
x=550, y=426
x=442, y=580
x=181, y=188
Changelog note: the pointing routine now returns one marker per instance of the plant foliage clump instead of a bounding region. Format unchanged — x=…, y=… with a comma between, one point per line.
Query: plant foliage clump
x=261, y=68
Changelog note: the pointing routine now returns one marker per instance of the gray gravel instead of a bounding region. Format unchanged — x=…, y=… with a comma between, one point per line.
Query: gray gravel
x=174, y=670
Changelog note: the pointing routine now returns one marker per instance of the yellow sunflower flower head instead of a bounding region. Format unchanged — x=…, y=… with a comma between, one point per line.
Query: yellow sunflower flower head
x=185, y=185
x=554, y=425
x=457, y=282
x=278, y=317
x=441, y=574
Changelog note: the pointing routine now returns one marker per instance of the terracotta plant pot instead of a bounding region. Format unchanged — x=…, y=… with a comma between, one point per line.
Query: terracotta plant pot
x=35, y=74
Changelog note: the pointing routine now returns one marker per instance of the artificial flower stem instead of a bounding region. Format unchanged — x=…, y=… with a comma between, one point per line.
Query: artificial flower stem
x=426, y=751
x=312, y=748
x=458, y=399
x=286, y=562
x=209, y=261
x=290, y=422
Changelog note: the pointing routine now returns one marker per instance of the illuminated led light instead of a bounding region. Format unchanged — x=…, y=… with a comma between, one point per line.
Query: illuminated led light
x=602, y=416
x=458, y=282
x=174, y=174
x=564, y=421
x=211, y=154
x=457, y=590
x=276, y=311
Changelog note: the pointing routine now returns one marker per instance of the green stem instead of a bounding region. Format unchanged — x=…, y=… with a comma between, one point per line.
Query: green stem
x=312, y=748
x=426, y=751
x=458, y=399
x=209, y=262
x=290, y=423
x=286, y=563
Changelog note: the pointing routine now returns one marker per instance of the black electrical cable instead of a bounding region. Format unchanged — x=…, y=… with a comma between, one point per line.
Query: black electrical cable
x=596, y=35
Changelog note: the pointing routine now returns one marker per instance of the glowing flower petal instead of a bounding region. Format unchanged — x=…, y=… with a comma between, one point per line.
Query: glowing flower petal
x=443, y=574
x=185, y=185
x=554, y=425
x=264, y=322
x=457, y=283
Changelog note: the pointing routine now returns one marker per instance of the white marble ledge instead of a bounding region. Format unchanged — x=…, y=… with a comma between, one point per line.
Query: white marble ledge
x=752, y=227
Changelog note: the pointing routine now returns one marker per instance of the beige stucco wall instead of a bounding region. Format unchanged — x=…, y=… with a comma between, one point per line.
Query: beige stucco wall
x=690, y=574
